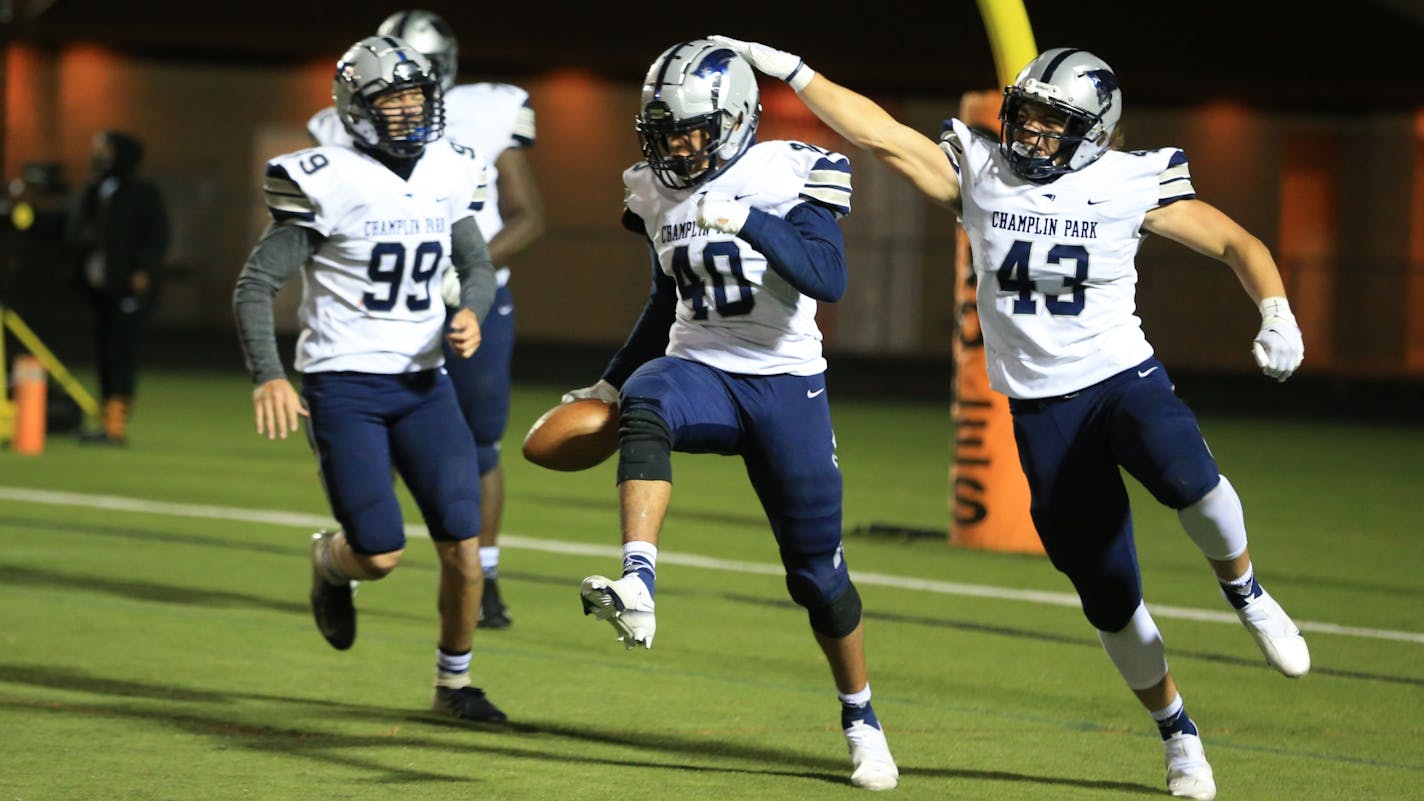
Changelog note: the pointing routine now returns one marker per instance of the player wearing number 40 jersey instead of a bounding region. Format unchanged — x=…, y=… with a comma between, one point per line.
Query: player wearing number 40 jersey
x=1055, y=216
x=726, y=357
x=371, y=230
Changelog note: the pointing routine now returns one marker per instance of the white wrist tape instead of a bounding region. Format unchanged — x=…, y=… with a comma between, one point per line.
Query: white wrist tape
x=1276, y=307
x=800, y=76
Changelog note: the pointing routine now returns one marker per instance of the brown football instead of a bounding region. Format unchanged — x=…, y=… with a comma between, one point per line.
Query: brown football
x=573, y=436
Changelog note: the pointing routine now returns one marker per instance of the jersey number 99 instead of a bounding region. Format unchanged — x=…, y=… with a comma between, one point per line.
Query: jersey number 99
x=387, y=269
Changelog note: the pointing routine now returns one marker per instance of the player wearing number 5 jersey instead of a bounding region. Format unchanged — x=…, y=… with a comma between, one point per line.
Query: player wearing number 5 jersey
x=726, y=357
x=1055, y=217
x=371, y=230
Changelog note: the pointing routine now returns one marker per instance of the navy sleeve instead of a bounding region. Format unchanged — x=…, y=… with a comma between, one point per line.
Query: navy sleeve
x=649, y=338
x=805, y=248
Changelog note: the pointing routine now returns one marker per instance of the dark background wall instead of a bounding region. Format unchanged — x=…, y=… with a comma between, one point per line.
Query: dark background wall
x=1307, y=129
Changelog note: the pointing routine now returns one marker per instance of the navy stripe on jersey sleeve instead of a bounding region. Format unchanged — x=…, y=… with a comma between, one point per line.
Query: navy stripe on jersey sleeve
x=523, y=133
x=285, y=199
x=950, y=144
x=828, y=183
x=806, y=248
x=1175, y=182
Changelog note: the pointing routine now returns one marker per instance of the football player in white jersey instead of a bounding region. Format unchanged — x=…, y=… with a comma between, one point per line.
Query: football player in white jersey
x=1055, y=217
x=726, y=357
x=371, y=229
x=497, y=120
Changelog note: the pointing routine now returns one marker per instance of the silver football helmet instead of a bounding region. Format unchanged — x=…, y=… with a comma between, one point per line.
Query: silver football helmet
x=1071, y=83
x=697, y=85
x=427, y=32
x=381, y=65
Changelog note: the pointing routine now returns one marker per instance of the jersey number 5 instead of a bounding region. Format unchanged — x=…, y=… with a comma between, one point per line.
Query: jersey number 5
x=387, y=268
x=1014, y=277
x=694, y=290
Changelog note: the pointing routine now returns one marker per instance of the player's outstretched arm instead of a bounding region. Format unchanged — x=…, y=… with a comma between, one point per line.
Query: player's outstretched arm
x=1278, y=347
x=859, y=119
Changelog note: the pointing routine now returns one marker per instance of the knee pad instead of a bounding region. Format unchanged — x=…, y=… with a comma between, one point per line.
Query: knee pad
x=824, y=589
x=644, y=447
x=1136, y=650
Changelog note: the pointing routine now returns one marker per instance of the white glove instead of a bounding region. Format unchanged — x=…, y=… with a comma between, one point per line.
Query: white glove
x=603, y=391
x=450, y=288
x=777, y=63
x=722, y=213
x=1278, y=347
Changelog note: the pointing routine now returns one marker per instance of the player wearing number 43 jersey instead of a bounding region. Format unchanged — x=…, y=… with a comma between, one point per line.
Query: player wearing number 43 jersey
x=371, y=230
x=1055, y=217
x=726, y=357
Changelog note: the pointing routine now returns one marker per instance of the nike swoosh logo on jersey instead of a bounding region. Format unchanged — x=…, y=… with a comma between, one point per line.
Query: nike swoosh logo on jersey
x=504, y=310
x=1147, y=372
x=1096, y=202
x=742, y=197
x=811, y=394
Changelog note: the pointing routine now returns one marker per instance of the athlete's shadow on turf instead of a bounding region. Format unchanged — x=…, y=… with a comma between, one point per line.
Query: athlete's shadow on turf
x=832, y=771
x=191, y=710
x=324, y=746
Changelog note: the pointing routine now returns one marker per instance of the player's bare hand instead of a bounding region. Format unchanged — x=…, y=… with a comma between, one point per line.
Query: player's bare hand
x=464, y=336
x=277, y=406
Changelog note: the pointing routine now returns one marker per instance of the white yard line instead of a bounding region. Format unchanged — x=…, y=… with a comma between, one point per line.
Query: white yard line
x=298, y=520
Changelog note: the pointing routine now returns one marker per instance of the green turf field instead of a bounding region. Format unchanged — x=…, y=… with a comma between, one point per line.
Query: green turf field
x=157, y=643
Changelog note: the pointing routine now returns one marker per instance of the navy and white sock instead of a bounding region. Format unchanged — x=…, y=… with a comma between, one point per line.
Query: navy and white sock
x=856, y=707
x=452, y=670
x=641, y=559
x=1242, y=591
x=1173, y=720
x=489, y=561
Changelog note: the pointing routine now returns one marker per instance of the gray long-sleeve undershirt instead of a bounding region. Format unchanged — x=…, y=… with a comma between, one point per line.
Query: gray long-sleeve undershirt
x=284, y=250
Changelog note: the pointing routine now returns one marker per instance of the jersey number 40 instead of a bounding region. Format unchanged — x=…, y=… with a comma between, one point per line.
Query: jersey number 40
x=693, y=288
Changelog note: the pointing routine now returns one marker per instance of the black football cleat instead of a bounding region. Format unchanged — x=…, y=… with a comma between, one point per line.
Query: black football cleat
x=467, y=703
x=493, y=613
x=331, y=604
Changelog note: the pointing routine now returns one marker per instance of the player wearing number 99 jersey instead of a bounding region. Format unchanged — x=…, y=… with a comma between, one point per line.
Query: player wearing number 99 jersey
x=497, y=120
x=726, y=357
x=371, y=296
x=371, y=229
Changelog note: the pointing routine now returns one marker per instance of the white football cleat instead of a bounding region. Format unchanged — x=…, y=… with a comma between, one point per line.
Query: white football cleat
x=1188, y=774
x=872, y=767
x=626, y=604
x=1276, y=634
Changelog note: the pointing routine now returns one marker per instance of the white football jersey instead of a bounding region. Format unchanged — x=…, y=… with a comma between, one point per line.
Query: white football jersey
x=490, y=117
x=734, y=312
x=371, y=293
x=1055, y=262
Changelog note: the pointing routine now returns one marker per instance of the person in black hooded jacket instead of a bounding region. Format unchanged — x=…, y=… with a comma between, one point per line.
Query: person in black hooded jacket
x=117, y=235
